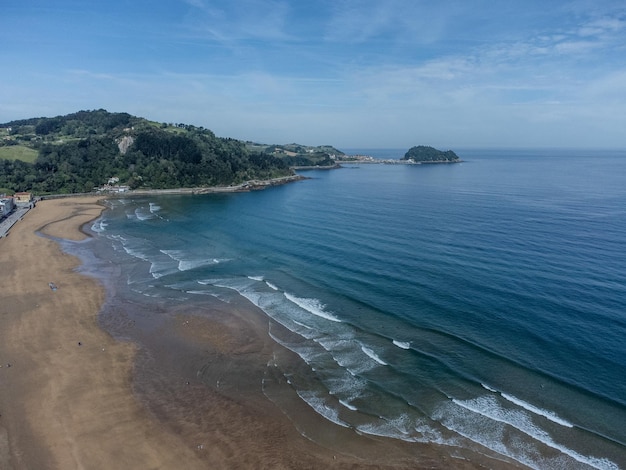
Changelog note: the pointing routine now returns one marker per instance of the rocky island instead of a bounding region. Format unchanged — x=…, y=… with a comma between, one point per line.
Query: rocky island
x=414, y=156
x=425, y=154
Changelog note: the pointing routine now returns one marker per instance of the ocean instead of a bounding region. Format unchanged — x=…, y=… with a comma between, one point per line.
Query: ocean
x=478, y=305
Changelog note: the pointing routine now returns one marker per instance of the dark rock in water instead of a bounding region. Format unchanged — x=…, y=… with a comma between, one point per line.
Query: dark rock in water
x=425, y=154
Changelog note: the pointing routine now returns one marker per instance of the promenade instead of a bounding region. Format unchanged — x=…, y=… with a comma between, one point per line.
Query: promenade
x=7, y=222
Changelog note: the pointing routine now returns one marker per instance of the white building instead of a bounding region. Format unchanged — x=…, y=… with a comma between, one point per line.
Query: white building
x=6, y=206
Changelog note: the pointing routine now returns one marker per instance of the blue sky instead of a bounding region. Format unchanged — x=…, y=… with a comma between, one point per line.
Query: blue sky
x=349, y=73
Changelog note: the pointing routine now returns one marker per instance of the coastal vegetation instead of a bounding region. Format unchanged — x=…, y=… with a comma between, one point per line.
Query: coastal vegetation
x=18, y=152
x=82, y=151
x=78, y=152
x=296, y=155
x=425, y=154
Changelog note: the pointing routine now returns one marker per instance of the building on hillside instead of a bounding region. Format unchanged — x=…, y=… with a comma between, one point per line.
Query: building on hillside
x=6, y=206
x=107, y=188
x=23, y=198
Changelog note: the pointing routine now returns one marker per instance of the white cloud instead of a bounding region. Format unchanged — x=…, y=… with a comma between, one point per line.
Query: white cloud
x=396, y=21
x=601, y=27
x=239, y=20
x=575, y=47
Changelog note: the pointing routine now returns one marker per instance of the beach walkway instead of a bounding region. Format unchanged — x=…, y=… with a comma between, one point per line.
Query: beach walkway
x=14, y=217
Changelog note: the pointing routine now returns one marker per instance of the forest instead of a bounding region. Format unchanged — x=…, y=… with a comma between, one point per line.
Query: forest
x=78, y=152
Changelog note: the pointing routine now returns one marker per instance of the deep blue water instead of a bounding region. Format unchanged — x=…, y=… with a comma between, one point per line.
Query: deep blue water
x=481, y=303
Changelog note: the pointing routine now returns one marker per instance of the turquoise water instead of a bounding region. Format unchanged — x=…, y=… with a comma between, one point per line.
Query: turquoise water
x=475, y=304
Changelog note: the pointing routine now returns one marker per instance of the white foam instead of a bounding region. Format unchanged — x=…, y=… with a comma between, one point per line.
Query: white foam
x=135, y=253
x=253, y=297
x=154, y=207
x=140, y=214
x=99, y=226
x=346, y=351
x=348, y=405
x=302, y=325
x=160, y=269
x=255, y=278
x=529, y=407
x=373, y=355
x=242, y=286
x=320, y=406
x=271, y=286
x=200, y=292
x=186, y=261
x=346, y=385
x=484, y=432
x=545, y=413
x=397, y=428
x=488, y=407
x=187, y=265
x=313, y=306
x=402, y=344
x=176, y=255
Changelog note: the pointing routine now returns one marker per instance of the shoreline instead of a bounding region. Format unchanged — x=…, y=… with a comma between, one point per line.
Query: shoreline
x=89, y=388
x=251, y=185
x=117, y=192
x=64, y=380
x=378, y=161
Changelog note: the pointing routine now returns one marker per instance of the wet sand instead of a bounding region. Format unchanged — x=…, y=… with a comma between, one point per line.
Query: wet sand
x=185, y=392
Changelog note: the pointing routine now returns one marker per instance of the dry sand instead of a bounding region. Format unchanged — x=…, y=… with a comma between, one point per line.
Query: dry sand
x=66, y=405
x=73, y=397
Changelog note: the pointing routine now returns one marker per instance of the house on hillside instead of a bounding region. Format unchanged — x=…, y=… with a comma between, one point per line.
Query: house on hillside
x=23, y=198
x=107, y=188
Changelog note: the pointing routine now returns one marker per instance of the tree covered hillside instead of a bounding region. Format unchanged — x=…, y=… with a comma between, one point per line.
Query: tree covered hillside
x=297, y=155
x=83, y=150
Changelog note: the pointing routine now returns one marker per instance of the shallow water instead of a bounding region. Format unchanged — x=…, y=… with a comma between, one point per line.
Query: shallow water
x=475, y=304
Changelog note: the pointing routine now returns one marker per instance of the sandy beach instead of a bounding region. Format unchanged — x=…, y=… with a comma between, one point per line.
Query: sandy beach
x=73, y=396
x=65, y=400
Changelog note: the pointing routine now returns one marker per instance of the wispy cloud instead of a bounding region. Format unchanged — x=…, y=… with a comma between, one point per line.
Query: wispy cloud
x=358, y=21
x=239, y=20
x=602, y=27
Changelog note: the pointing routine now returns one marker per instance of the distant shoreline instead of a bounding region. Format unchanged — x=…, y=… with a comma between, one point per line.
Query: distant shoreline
x=375, y=161
x=251, y=185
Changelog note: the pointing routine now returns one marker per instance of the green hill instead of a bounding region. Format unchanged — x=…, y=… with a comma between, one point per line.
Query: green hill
x=300, y=155
x=83, y=150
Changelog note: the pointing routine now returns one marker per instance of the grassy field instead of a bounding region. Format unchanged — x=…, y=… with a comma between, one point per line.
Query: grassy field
x=18, y=152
